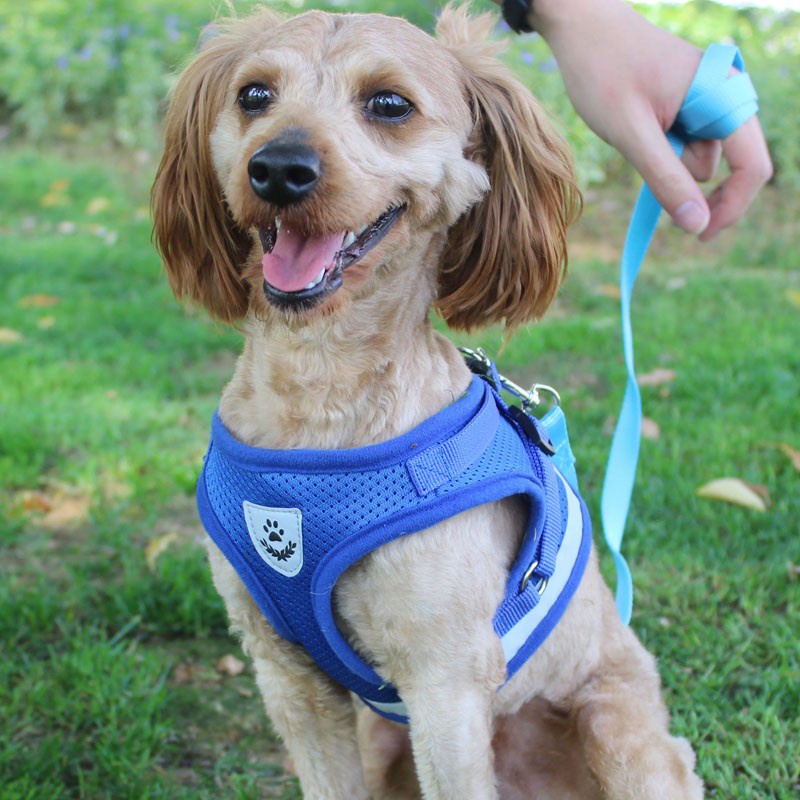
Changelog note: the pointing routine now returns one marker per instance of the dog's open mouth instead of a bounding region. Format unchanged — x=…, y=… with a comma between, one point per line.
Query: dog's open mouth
x=300, y=270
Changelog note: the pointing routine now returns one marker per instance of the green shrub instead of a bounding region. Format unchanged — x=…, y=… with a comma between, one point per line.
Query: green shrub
x=64, y=65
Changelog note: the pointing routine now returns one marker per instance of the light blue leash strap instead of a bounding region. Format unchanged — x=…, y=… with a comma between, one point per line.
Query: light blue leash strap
x=717, y=103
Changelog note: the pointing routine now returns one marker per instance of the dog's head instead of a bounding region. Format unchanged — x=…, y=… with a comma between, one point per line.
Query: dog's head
x=309, y=158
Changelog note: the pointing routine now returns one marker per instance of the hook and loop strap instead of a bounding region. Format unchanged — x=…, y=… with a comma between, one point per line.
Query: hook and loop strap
x=717, y=103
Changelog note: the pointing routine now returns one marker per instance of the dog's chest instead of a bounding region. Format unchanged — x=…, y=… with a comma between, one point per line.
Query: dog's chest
x=416, y=535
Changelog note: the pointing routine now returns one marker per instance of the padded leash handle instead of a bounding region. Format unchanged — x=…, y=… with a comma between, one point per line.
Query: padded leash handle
x=716, y=104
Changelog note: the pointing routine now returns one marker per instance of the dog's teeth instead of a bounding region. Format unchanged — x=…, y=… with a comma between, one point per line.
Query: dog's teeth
x=362, y=229
x=349, y=239
x=317, y=280
x=277, y=223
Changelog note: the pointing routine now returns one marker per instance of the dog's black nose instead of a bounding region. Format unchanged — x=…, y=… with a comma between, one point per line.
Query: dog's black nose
x=283, y=173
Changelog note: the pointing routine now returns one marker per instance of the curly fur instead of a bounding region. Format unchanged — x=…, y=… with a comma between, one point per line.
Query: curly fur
x=488, y=192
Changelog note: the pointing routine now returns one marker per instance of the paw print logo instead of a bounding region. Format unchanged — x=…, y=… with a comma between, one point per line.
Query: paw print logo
x=275, y=535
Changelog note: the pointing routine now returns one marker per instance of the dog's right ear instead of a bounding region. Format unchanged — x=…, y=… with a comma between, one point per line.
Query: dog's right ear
x=200, y=244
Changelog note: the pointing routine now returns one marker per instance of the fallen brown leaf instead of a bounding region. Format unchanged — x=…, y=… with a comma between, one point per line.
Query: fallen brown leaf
x=609, y=290
x=39, y=301
x=186, y=673
x=650, y=429
x=96, y=205
x=229, y=665
x=656, y=377
x=735, y=491
x=9, y=336
x=156, y=548
x=794, y=455
x=36, y=502
x=66, y=512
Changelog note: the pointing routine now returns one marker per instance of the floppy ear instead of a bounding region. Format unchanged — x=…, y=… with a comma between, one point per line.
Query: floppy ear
x=193, y=230
x=505, y=257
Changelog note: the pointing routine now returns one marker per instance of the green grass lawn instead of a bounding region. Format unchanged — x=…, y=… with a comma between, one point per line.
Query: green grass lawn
x=108, y=677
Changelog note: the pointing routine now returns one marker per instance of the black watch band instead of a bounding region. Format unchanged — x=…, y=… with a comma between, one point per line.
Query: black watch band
x=515, y=13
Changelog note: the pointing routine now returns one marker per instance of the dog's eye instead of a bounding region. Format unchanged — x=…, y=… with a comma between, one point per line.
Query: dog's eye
x=254, y=97
x=389, y=105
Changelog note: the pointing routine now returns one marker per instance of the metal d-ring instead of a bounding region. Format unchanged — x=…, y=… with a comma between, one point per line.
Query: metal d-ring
x=541, y=583
x=480, y=363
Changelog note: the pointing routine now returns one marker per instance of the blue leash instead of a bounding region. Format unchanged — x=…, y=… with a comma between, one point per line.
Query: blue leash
x=716, y=105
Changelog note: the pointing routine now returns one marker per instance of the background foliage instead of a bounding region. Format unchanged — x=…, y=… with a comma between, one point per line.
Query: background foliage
x=110, y=63
x=118, y=678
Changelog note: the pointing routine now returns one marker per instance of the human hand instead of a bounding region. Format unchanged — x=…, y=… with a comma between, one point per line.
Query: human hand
x=627, y=79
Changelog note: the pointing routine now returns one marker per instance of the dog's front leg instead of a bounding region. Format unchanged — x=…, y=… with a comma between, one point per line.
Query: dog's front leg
x=451, y=737
x=313, y=715
x=316, y=720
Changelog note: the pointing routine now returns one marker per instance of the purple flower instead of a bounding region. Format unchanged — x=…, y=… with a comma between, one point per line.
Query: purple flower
x=62, y=62
x=527, y=58
x=85, y=53
x=171, y=27
x=548, y=66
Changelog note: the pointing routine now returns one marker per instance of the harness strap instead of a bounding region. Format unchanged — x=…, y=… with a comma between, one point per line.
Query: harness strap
x=440, y=463
x=716, y=105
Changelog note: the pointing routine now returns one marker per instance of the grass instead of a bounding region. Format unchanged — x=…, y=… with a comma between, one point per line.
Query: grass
x=107, y=673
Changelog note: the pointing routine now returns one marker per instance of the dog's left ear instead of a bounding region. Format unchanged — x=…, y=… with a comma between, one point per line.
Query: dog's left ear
x=506, y=256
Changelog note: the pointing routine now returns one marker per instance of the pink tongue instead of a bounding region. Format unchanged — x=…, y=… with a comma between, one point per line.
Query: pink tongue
x=296, y=260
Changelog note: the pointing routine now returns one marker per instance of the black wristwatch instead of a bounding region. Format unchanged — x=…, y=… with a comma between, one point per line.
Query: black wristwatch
x=515, y=13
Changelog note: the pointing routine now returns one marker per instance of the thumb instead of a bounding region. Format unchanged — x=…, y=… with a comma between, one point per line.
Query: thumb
x=669, y=179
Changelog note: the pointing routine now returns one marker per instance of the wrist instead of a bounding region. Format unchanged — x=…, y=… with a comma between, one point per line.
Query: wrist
x=551, y=18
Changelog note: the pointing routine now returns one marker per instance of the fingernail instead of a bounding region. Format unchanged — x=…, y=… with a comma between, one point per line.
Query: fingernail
x=691, y=217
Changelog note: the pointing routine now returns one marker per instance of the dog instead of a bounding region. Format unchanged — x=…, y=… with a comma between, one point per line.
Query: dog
x=328, y=180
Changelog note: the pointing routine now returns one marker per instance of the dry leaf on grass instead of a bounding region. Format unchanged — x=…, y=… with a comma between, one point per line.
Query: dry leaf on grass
x=650, y=429
x=609, y=290
x=793, y=295
x=156, y=548
x=97, y=205
x=736, y=491
x=229, y=665
x=656, y=377
x=187, y=672
x=39, y=301
x=35, y=502
x=66, y=512
x=9, y=336
x=60, y=505
x=793, y=455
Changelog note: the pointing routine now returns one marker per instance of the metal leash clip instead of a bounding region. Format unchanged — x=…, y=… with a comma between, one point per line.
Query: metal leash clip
x=482, y=365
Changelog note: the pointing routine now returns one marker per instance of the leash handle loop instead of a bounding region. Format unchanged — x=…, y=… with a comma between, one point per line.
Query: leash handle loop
x=717, y=103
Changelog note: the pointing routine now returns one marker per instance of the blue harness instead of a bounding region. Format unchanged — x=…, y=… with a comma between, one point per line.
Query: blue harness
x=292, y=521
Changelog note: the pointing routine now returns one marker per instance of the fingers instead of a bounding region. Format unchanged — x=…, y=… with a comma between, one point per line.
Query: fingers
x=702, y=159
x=674, y=183
x=669, y=179
x=747, y=155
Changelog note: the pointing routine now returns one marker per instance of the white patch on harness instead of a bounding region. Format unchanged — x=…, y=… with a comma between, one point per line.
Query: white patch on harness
x=277, y=535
